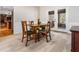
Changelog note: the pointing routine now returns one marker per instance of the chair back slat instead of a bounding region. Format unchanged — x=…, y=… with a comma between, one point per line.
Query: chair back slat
x=31, y=23
x=48, y=27
x=24, y=26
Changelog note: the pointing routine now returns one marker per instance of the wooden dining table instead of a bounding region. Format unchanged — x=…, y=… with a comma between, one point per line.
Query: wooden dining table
x=37, y=27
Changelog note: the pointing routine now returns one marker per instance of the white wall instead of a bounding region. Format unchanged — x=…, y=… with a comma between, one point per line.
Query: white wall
x=45, y=17
x=20, y=12
x=74, y=16
x=33, y=13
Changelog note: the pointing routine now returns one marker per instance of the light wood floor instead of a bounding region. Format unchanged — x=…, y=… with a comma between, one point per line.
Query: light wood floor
x=61, y=42
x=5, y=32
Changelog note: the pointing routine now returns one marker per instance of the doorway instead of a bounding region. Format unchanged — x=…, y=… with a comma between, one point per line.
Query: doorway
x=6, y=22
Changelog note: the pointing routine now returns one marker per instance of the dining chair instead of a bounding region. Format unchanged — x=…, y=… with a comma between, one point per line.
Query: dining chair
x=33, y=29
x=30, y=24
x=25, y=32
x=46, y=31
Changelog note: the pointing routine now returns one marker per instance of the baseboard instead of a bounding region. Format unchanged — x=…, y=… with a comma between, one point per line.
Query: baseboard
x=61, y=31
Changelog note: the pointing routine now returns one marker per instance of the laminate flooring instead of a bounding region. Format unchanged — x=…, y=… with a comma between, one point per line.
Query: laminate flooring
x=61, y=42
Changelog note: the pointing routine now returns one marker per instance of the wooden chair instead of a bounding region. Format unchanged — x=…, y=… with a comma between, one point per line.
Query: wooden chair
x=26, y=32
x=35, y=30
x=46, y=31
x=31, y=23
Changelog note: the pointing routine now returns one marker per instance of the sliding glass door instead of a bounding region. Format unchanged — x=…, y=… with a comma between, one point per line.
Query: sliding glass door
x=62, y=18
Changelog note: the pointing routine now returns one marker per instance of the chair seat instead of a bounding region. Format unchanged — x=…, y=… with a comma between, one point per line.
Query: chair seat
x=43, y=31
x=30, y=32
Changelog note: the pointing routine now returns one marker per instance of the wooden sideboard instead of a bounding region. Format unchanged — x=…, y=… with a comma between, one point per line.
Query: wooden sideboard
x=75, y=38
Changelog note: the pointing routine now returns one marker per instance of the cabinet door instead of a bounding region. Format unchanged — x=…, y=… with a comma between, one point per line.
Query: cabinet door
x=73, y=42
x=77, y=41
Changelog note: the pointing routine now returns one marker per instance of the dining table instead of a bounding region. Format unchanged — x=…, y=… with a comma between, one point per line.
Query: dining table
x=38, y=25
x=36, y=28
